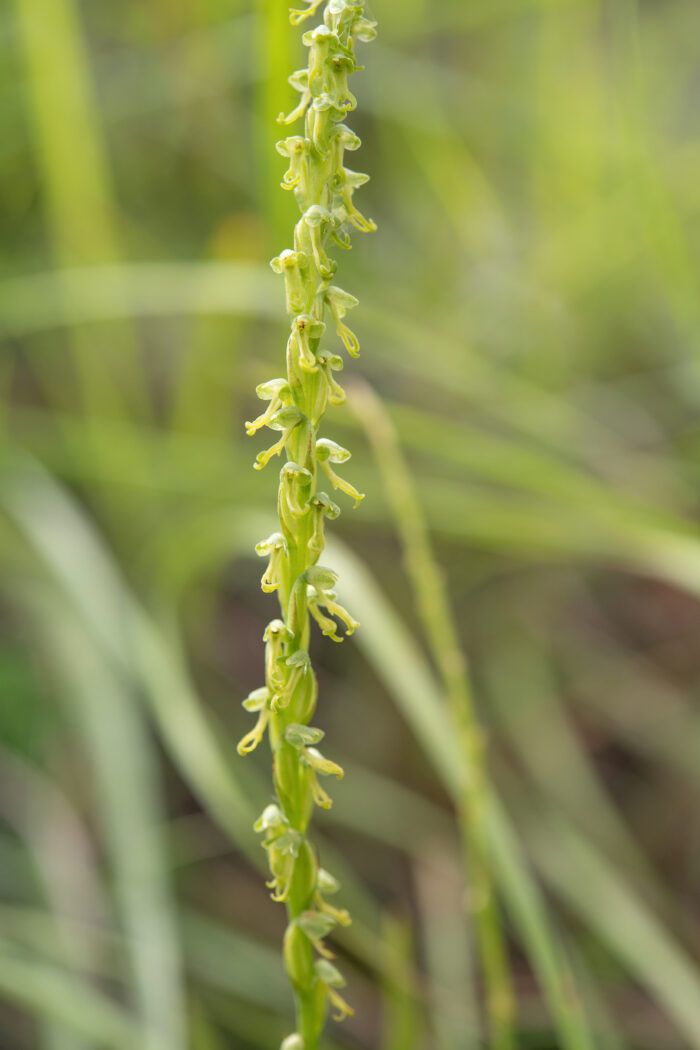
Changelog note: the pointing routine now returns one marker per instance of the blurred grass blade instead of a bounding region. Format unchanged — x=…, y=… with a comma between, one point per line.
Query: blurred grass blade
x=120, y=627
x=77, y=182
x=274, y=47
x=76, y=295
x=235, y=963
x=67, y=133
x=521, y=686
x=402, y=1026
x=596, y=892
x=432, y=603
x=126, y=780
x=455, y=1013
x=573, y=869
x=606, y=1025
x=108, y=614
x=397, y=660
x=62, y=856
x=543, y=947
x=52, y=993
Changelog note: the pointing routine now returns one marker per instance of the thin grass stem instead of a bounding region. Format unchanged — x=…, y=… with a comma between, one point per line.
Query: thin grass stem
x=433, y=605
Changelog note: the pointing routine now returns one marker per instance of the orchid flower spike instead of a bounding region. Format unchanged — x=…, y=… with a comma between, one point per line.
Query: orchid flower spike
x=324, y=187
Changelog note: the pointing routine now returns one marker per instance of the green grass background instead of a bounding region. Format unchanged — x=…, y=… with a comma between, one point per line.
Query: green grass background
x=530, y=315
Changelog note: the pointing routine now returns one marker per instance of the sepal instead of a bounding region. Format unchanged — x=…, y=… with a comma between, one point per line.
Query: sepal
x=300, y=736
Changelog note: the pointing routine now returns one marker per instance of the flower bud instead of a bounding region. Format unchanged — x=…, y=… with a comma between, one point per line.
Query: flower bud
x=302, y=885
x=270, y=819
x=299, y=958
x=327, y=883
x=292, y=1042
x=301, y=688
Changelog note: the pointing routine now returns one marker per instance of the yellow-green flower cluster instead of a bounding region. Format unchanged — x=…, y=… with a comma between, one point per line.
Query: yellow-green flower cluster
x=324, y=189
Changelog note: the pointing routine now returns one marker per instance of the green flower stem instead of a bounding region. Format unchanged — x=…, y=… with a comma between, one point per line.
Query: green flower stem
x=296, y=404
x=434, y=608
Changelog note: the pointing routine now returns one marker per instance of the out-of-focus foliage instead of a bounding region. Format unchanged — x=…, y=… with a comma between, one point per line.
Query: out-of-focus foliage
x=531, y=320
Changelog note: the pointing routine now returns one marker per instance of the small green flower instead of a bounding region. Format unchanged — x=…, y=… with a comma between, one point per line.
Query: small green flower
x=339, y=302
x=293, y=265
x=256, y=701
x=305, y=329
x=293, y=480
x=295, y=147
x=328, y=452
x=274, y=548
x=278, y=393
x=322, y=507
x=285, y=419
x=292, y=1042
x=330, y=363
x=332, y=979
